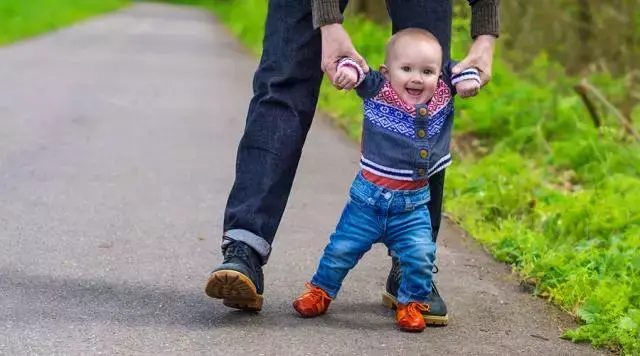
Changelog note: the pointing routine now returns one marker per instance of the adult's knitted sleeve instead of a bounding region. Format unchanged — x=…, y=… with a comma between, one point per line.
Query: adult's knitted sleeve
x=326, y=12
x=485, y=17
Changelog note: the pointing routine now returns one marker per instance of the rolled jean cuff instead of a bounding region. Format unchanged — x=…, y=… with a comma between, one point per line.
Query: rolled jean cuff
x=260, y=245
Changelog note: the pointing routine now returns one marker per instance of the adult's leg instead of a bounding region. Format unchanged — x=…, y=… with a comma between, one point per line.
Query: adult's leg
x=432, y=15
x=286, y=87
x=436, y=185
x=285, y=93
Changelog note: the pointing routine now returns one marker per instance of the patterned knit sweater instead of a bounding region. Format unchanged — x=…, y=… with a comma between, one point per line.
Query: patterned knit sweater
x=402, y=145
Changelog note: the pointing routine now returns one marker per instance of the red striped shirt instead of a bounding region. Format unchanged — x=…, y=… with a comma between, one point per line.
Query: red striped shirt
x=393, y=184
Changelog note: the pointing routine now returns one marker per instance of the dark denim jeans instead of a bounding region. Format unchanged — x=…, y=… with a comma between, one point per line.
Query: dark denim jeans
x=286, y=87
x=399, y=219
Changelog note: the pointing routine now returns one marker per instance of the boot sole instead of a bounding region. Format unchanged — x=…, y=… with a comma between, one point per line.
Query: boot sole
x=391, y=302
x=235, y=289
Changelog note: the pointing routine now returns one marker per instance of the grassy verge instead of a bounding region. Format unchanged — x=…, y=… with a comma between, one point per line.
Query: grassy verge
x=534, y=181
x=26, y=18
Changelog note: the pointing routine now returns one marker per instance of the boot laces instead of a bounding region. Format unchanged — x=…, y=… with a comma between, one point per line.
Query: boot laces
x=237, y=250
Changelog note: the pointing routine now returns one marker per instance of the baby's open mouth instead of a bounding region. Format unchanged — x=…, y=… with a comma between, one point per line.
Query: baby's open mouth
x=413, y=91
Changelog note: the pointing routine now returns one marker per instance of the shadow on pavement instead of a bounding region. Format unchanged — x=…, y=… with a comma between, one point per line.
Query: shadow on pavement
x=33, y=299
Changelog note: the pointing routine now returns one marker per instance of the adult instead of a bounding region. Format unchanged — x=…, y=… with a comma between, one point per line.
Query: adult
x=302, y=40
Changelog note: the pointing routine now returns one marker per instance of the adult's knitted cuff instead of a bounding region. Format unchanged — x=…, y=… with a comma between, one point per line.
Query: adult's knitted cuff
x=485, y=18
x=326, y=12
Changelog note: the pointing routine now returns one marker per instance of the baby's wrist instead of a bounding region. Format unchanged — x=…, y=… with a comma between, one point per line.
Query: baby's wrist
x=347, y=63
x=349, y=69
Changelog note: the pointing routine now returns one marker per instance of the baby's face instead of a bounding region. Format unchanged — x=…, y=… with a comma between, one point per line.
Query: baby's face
x=414, y=69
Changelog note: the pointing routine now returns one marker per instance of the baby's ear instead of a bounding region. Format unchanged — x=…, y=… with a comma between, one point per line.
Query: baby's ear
x=385, y=71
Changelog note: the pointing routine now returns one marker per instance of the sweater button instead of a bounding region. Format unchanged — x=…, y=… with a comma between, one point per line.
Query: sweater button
x=421, y=133
x=421, y=172
x=422, y=111
x=423, y=153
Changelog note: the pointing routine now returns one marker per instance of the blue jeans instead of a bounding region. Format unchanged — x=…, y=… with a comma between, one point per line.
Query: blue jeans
x=285, y=93
x=399, y=219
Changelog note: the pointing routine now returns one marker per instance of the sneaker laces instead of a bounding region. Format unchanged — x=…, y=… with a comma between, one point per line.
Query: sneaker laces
x=418, y=308
x=318, y=294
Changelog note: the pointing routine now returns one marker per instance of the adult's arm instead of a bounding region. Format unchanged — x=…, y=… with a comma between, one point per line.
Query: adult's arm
x=485, y=29
x=336, y=42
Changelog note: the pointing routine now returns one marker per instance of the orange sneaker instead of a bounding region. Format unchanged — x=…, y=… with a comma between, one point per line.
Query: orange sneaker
x=409, y=316
x=313, y=302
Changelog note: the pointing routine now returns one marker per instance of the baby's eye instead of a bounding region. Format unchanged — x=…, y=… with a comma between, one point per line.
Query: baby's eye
x=428, y=71
x=405, y=69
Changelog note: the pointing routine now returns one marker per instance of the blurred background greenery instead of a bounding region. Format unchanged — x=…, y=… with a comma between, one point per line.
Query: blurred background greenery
x=25, y=18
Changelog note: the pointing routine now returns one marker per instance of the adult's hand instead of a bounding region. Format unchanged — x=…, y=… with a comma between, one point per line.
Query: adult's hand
x=480, y=56
x=335, y=45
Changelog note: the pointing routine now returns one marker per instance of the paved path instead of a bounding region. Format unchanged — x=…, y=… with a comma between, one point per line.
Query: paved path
x=117, y=148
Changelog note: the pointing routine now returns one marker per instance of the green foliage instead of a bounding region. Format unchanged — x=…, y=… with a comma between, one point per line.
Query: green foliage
x=582, y=247
x=26, y=18
x=554, y=196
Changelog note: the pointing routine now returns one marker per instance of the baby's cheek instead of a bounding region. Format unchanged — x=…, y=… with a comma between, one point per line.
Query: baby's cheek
x=431, y=88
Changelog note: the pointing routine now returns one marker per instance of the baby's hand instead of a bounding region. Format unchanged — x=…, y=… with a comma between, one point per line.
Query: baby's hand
x=346, y=78
x=468, y=88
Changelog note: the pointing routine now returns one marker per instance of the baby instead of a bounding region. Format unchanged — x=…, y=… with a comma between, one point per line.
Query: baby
x=408, y=116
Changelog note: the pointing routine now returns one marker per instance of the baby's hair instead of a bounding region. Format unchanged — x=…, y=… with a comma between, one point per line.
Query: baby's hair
x=412, y=33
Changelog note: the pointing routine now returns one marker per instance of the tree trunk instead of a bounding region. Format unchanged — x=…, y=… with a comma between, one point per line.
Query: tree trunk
x=585, y=36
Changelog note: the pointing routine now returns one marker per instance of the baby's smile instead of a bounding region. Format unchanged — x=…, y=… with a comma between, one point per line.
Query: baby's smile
x=413, y=91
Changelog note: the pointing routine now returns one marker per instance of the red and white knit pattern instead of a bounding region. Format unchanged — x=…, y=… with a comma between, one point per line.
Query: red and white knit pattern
x=389, y=96
x=440, y=99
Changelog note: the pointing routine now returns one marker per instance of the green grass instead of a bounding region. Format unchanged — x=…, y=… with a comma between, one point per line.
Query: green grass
x=549, y=194
x=21, y=19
